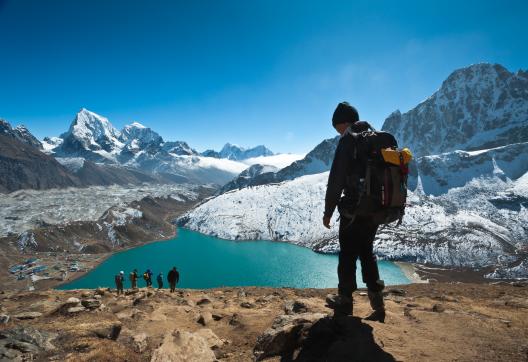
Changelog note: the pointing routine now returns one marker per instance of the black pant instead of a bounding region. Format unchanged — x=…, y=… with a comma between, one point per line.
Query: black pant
x=356, y=240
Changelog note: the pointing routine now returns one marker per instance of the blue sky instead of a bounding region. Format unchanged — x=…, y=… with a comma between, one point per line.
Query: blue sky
x=245, y=72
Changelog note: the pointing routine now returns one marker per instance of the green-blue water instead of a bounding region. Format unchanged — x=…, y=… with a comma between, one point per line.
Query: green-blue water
x=206, y=262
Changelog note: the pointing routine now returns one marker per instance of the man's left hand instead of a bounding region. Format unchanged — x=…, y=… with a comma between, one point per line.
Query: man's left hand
x=326, y=222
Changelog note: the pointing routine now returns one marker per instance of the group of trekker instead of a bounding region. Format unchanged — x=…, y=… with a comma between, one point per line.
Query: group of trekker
x=173, y=277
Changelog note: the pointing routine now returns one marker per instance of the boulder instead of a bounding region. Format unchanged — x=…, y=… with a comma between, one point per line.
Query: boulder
x=75, y=310
x=27, y=340
x=217, y=316
x=140, y=342
x=91, y=303
x=213, y=341
x=72, y=301
x=205, y=318
x=284, y=335
x=293, y=307
x=100, y=291
x=438, y=308
x=247, y=305
x=107, y=330
x=27, y=315
x=4, y=318
x=203, y=301
x=181, y=346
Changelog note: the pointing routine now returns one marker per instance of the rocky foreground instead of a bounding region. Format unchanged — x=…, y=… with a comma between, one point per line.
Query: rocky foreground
x=433, y=322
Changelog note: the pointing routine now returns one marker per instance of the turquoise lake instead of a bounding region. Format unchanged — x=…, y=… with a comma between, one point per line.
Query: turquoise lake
x=208, y=262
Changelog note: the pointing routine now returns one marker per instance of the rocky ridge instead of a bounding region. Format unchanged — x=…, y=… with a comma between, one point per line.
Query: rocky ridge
x=428, y=321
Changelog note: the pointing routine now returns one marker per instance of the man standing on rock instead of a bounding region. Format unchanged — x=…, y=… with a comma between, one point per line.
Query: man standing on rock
x=173, y=277
x=160, y=280
x=356, y=234
x=119, y=281
x=133, y=279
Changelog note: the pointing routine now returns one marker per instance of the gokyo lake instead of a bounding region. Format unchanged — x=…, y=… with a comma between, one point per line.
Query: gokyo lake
x=208, y=262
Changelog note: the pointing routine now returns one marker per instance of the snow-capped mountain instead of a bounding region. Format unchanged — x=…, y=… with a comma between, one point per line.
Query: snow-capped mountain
x=316, y=161
x=20, y=133
x=478, y=107
x=90, y=136
x=246, y=177
x=136, y=136
x=237, y=153
x=440, y=173
x=482, y=224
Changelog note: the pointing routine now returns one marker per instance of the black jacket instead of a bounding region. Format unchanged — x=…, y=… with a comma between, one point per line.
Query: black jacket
x=344, y=165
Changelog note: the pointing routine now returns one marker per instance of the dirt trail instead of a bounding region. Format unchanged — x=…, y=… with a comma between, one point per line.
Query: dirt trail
x=425, y=322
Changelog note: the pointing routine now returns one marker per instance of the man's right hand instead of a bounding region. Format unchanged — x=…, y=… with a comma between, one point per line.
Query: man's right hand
x=326, y=222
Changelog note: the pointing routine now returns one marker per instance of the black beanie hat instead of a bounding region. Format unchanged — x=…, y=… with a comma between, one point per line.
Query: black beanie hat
x=345, y=113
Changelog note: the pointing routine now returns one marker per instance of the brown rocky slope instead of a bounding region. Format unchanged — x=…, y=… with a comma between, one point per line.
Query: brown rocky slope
x=425, y=322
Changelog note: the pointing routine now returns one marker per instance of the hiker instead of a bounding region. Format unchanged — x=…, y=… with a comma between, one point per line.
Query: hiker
x=119, y=280
x=147, y=276
x=160, y=280
x=133, y=279
x=356, y=232
x=173, y=277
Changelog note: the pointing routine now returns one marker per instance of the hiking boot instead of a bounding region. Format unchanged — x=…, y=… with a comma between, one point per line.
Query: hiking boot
x=376, y=302
x=376, y=316
x=341, y=304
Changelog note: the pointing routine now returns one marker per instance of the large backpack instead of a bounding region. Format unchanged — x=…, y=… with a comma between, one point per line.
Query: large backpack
x=378, y=183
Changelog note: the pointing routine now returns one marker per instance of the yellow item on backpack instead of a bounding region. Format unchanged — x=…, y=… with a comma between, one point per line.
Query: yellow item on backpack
x=393, y=156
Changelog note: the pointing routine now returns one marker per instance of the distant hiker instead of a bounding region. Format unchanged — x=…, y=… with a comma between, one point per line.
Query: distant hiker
x=368, y=200
x=147, y=276
x=133, y=279
x=119, y=280
x=173, y=277
x=159, y=279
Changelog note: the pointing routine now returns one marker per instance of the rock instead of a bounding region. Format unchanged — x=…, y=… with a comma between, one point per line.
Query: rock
x=517, y=302
x=181, y=346
x=140, y=342
x=242, y=293
x=138, y=299
x=438, y=308
x=108, y=330
x=205, y=318
x=100, y=291
x=203, y=301
x=72, y=301
x=27, y=315
x=213, y=341
x=97, y=296
x=282, y=320
x=217, y=316
x=235, y=320
x=4, y=318
x=74, y=310
x=284, y=335
x=91, y=303
x=396, y=291
x=292, y=307
x=28, y=339
x=85, y=295
x=247, y=305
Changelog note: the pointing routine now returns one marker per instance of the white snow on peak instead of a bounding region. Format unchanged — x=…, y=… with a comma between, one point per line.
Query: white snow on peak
x=136, y=125
x=91, y=128
x=280, y=160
